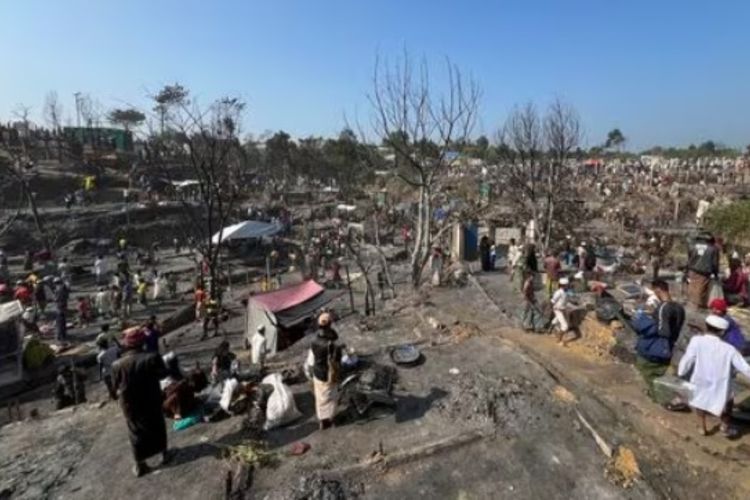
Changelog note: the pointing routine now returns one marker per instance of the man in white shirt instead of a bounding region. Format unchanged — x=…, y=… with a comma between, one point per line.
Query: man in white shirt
x=99, y=270
x=559, y=303
x=102, y=303
x=712, y=360
x=258, y=346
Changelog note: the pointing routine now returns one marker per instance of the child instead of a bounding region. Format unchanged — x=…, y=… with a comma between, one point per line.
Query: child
x=142, y=291
x=712, y=360
x=200, y=303
x=84, y=311
x=559, y=303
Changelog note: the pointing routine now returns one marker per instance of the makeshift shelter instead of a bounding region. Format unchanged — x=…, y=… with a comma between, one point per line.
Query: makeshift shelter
x=282, y=310
x=249, y=229
x=11, y=343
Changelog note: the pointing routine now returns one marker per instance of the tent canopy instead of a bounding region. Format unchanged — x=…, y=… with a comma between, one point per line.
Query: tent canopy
x=246, y=230
x=288, y=297
x=294, y=315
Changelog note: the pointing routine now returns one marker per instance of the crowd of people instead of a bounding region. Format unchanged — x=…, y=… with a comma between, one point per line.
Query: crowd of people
x=714, y=352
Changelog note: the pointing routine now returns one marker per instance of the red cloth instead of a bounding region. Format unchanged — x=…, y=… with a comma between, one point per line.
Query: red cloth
x=133, y=337
x=22, y=294
x=291, y=296
x=736, y=284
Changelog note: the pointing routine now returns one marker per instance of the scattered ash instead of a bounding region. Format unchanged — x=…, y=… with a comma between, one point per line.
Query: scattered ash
x=508, y=403
x=315, y=487
x=36, y=473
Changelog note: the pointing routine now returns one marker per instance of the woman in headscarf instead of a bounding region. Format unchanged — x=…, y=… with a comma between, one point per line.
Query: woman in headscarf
x=136, y=377
x=325, y=361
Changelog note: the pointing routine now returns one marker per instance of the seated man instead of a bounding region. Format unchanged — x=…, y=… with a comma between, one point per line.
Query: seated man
x=179, y=395
x=221, y=363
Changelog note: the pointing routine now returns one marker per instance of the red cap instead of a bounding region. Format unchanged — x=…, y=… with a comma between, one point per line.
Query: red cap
x=718, y=304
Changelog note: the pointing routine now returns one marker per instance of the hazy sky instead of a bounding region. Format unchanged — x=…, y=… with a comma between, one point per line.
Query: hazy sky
x=664, y=71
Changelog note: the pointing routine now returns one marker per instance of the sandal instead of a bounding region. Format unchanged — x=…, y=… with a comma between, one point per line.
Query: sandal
x=730, y=432
x=677, y=407
x=141, y=469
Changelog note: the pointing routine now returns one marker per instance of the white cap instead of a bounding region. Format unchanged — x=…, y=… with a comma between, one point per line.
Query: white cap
x=564, y=281
x=717, y=322
x=578, y=275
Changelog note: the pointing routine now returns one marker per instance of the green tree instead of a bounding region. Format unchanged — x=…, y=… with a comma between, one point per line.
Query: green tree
x=731, y=221
x=708, y=147
x=615, y=139
x=128, y=118
x=279, y=152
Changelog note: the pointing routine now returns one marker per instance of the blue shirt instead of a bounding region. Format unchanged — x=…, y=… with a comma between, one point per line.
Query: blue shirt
x=733, y=334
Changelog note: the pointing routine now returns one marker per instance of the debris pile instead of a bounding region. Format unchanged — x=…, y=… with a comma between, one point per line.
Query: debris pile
x=623, y=469
x=464, y=331
x=596, y=337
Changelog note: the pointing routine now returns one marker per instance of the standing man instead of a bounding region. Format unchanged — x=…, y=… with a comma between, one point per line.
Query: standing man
x=484, y=252
x=712, y=362
x=552, y=268
x=581, y=256
x=136, y=378
x=559, y=304
x=258, y=347
x=211, y=318
x=325, y=358
x=99, y=270
x=63, y=270
x=654, y=348
x=515, y=263
x=153, y=332
x=108, y=354
x=703, y=266
x=61, y=301
x=530, y=310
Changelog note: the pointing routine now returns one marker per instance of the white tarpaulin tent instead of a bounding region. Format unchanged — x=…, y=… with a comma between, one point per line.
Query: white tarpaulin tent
x=246, y=230
x=11, y=343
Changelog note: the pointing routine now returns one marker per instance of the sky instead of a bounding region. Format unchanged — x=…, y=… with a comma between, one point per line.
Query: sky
x=665, y=72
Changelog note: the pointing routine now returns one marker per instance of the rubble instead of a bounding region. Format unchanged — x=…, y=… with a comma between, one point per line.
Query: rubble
x=511, y=404
x=316, y=487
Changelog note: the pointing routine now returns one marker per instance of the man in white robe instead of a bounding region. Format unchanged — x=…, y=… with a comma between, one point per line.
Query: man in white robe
x=712, y=360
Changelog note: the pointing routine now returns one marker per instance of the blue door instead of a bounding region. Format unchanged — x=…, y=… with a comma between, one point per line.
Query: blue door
x=471, y=242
